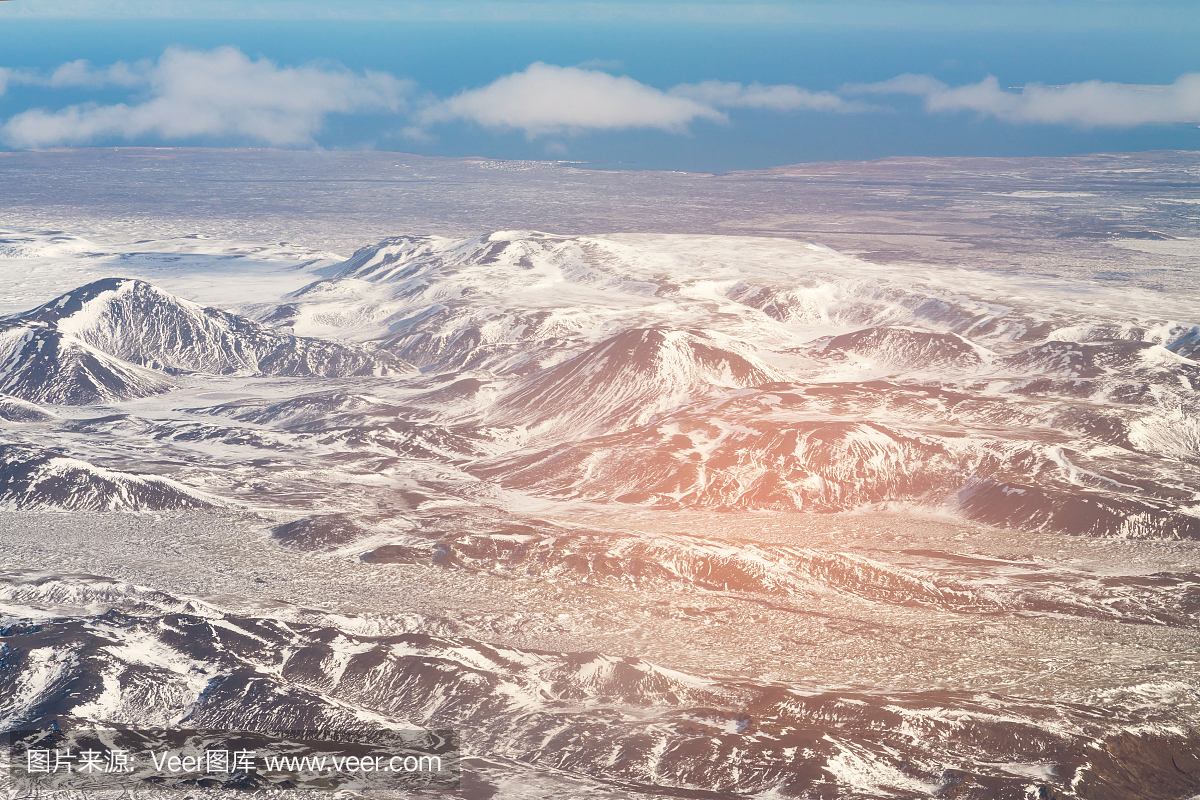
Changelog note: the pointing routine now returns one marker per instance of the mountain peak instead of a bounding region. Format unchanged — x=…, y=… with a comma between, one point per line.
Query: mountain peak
x=629, y=377
x=78, y=300
x=111, y=339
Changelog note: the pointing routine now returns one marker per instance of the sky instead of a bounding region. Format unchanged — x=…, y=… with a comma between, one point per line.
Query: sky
x=701, y=86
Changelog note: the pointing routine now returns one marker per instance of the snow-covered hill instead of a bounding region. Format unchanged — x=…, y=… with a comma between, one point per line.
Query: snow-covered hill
x=602, y=454
x=37, y=479
x=663, y=371
x=627, y=379
x=142, y=324
x=44, y=365
x=118, y=339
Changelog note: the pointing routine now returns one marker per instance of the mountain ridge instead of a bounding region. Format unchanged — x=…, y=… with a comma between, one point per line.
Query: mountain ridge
x=117, y=339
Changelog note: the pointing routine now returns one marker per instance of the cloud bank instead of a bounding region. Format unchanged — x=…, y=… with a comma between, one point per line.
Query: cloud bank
x=1087, y=104
x=222, y=94
x=193, y=94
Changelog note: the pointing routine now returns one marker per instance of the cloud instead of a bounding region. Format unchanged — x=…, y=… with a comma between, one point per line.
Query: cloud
x=190, y=94
x=82, y=74
x=78, y=74
x=774, y=98
x=219, y=93
x=1089, y=103
x=546, y=99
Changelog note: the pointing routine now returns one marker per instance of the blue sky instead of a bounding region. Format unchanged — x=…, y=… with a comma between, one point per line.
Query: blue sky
x=702, y=85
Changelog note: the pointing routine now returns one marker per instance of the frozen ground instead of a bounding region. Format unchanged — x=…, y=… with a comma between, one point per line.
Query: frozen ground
x=858, y=480
x=1053, y=619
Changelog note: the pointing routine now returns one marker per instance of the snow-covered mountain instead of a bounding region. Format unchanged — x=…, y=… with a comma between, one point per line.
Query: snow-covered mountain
x=45, y=365
x=603, y=372
x=627, y=379
x=139, y=323
x=908, y=348
x=697, y=516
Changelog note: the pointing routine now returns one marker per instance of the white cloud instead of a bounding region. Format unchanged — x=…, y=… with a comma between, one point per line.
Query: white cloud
x=722, y=94
x=218, y=93
x=81, y=73
x=1089, y=103
x=546, y=99
x=190, y=94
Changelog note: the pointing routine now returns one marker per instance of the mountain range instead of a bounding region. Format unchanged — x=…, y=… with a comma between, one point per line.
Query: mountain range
x=656, y=447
